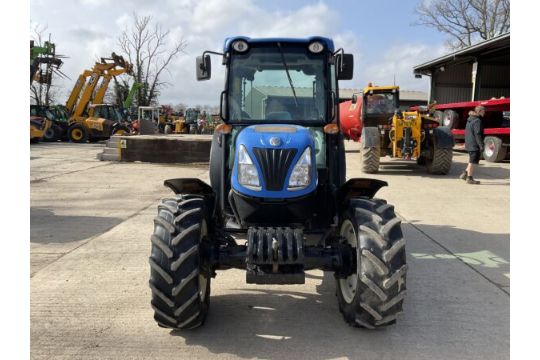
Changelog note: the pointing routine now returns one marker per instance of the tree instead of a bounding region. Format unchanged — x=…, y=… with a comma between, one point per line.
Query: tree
x=180, y=107
x=465, y=21
x=146, y=47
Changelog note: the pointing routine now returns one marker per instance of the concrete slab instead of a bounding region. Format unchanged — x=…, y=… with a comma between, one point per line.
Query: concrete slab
x=160, y=148
x=90, y=296
x=472, y=221
x=94, y=304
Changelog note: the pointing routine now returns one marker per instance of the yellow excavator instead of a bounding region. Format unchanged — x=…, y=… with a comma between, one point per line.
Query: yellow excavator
x=90, y=119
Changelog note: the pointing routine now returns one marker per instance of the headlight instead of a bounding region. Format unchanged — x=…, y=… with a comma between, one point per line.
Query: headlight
x=247, y=172
x=240, y=46
x=301, y=174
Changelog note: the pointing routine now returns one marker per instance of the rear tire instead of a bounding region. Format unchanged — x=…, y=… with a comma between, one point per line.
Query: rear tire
x=77, y=133
x=371, y=158
x=373, y=296
x=216, y=155
x=179, y=271
x=438, y=115
x=494, y=151
x=450, y=119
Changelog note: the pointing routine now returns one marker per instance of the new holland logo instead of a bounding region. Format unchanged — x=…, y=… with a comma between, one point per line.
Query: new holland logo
x=275, y=141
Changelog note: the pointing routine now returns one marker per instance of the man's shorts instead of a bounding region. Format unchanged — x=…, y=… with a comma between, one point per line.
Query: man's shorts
x=474, y=157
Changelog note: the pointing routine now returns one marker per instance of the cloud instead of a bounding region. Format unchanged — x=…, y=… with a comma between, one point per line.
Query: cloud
x=214, y=20
x=204, y=25
x=399, y=61
x=84, y=34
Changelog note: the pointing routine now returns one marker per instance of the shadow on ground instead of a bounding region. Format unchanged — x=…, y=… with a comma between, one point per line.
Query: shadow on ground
x=485, y=173
x=451, y=311
x=47, y=227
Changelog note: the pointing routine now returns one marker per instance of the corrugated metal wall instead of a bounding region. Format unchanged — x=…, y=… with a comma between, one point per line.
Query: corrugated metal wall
x=494, y=77
x=454, y=84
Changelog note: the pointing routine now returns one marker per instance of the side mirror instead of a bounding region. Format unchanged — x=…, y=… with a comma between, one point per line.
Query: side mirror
x=344, y=66
x=203, y=67
x=354, y=99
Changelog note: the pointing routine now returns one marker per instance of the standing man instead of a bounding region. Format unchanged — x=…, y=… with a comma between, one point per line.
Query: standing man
x=474, y=142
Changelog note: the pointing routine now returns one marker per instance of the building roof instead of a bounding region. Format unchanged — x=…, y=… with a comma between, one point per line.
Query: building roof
x=404, y=95
x=284, y=91
x=497, y=43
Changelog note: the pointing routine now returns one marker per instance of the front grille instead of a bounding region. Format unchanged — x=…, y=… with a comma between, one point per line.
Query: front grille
x=274, y=164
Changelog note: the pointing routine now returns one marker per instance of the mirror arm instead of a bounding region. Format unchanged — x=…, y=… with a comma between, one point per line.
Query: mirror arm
x=337, y=52
x=211, y=52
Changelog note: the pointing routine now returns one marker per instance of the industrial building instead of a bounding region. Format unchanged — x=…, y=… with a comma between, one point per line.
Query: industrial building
x=478, y=72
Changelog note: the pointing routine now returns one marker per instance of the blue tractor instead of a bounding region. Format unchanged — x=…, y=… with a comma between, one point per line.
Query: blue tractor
x=278, y=202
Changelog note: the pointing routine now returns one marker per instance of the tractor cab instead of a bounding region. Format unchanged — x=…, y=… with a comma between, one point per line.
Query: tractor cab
x=280, y=107
x=105, y=111
x=379, y=103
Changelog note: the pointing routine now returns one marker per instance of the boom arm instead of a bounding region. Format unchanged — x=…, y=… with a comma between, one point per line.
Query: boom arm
x=129, y=100
x=102, y=89
x=106, y=67
x=79, y=84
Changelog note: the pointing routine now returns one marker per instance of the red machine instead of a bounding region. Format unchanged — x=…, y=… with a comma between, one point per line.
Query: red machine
x=496, y=124
x=350, y=119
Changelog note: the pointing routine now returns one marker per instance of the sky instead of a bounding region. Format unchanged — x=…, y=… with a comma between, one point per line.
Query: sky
x=380, y=34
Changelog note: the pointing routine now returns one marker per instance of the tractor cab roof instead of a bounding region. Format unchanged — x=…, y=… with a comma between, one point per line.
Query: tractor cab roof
x=380, y=89
x=328, y=43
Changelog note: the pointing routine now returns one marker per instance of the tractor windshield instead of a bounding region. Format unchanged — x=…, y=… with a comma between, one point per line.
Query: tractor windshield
x=277, y=84
x=380, y=103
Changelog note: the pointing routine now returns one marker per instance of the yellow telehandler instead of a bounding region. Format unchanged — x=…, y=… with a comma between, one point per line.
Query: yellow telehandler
x=90, y=120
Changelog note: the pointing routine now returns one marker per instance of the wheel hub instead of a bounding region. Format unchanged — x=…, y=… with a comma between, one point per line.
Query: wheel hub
x=349, y=284
x=76, y=134
x=490, y=149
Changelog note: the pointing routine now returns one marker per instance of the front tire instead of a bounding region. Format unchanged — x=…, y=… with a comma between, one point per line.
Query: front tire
x=120, y=130
x=373, y=296
x=371, y=157
x=179, y=271
x=52, y=134
x=440, y=161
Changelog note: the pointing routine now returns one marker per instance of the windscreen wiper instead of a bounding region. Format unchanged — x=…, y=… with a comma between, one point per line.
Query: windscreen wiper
x=288, y=75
